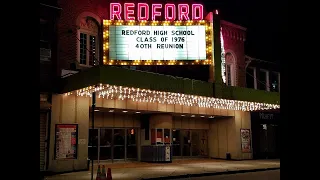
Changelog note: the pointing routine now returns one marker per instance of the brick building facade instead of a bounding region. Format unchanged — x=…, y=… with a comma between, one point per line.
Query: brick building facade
x=86, y=14
x=80, y=47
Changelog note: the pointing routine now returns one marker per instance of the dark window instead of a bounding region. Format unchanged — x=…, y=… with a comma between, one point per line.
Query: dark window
x=83, y=48
x=262, y=80
x=44, y=35
x=274, y=82
x=228, y=75
x=250, y=78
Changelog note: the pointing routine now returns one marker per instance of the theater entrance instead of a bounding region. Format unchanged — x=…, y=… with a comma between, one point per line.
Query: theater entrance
x=189, y=143
x=113, y=144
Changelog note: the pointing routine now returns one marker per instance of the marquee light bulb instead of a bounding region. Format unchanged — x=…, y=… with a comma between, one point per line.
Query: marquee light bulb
x=223, y=59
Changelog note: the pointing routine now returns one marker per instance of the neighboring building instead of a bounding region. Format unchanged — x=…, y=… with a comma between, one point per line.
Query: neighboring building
x=265, y=127
x=139, y=107
x=264, y=75
x=234, y=37
x=49, y=13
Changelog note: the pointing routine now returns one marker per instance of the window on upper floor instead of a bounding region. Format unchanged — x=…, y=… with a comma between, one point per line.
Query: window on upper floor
x=88, y=49
x=251, y=78
x=230, y=69
x=44, y=34
x=263, y=80
x=229, y=74
x=274, y=79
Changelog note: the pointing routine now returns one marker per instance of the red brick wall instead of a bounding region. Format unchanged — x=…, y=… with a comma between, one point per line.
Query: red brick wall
x=72, y=9
x=67, y=27
x=234, y=37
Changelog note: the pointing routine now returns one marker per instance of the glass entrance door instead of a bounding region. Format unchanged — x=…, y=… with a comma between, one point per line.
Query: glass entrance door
x=105, y=144
x=131, y=145
x=119, y=143
x=112, y=143
x=199, y=142
x=188, y=143
x=185, y=142
x=196, y=142
x=176, y=141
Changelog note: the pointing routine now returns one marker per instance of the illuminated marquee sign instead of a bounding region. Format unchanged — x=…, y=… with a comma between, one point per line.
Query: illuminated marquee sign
x=157, y=42
x=141, y=11
x=130, y=38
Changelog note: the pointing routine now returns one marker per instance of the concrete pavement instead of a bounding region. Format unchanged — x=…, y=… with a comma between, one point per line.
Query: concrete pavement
x=262, y=175
x=138, y=170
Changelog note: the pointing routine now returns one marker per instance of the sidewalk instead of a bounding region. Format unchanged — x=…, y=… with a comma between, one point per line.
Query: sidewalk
x=141, y=171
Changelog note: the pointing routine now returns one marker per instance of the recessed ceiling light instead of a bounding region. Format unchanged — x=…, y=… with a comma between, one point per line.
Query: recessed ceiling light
x=211, y=116
x=182, y=115
x=124, y=111
x=96, y=110
x=138, y=112
x=111, y=110
x=201, y=116
x=192, y=115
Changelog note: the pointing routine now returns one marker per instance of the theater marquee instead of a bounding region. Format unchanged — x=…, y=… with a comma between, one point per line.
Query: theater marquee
x=157, y=42
x=145, y=42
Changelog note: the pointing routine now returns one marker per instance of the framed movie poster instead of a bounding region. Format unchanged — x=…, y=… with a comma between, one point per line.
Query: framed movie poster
x=245, y=136
x=66, y=141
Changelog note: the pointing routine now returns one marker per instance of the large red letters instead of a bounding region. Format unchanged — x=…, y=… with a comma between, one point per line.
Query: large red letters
x=171, y=11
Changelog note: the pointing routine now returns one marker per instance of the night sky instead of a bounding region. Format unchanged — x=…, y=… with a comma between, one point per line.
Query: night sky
x=265, y=22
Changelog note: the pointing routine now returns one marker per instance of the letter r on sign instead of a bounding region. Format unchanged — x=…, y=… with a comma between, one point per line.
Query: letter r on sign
x=115, y=10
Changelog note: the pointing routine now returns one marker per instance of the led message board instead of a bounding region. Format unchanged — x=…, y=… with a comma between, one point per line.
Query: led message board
x=157, y=42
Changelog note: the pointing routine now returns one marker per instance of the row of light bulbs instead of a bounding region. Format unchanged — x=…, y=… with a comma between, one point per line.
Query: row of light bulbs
x=155, y=23
x=223, y=59
x=151, y=96
x=157, y=62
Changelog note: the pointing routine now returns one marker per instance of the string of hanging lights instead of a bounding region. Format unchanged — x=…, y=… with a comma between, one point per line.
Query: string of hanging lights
x=146, y=95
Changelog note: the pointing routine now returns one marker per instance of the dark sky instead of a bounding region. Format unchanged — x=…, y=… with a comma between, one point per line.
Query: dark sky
x=265, y=22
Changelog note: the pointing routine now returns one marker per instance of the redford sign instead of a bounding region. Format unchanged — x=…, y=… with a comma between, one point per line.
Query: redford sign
x=141, y=11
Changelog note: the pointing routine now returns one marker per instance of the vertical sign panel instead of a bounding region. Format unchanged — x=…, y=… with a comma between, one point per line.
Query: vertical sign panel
x=245, y=140
x=66, y=141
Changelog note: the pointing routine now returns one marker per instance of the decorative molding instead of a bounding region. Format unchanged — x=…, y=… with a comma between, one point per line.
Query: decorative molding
x=89, y=24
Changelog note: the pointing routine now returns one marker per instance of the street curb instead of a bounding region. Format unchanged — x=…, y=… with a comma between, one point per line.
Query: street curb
x=210, y=174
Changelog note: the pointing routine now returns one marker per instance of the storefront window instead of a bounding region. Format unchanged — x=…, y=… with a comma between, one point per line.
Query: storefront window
x=159, y=139
x=166, y=136
x=153, y=136
x=160, y=136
